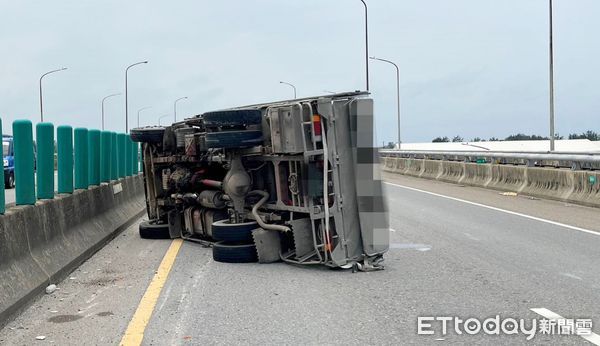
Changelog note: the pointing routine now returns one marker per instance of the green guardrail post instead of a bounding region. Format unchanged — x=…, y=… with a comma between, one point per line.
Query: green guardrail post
x=94, y=157
x=132, y=155
x=114, y=161
x=128, y=150
x=81, y=158
x=45, y=160
x=2, y=194
x=135, y=159
x=24, y=162
x=121, y=156
x=64, y=139
x=141, y=158
x=105, y=139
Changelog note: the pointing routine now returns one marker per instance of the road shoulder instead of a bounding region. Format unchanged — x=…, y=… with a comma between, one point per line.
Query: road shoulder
x=567, y=213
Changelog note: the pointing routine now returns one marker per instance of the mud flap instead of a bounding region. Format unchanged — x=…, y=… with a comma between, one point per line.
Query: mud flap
x=175, y=223
x=268, y=245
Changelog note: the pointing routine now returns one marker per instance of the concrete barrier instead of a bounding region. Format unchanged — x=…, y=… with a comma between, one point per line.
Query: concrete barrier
x=579, y=187
x=41, y=244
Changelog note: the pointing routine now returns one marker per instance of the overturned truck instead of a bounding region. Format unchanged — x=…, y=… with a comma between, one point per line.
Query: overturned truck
x=294, y=181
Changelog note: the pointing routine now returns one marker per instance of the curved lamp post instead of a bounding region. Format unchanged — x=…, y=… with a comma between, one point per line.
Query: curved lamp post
x=126, y=104
x=551, y=78
x=162, y=117
x=138, y=114
x=175, y=107
x=366, y=41
x=292, y=85
x=397, y=93
x=41, y=99
x=104, y=99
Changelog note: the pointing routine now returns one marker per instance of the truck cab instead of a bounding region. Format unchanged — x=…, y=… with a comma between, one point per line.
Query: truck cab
x=8, y=156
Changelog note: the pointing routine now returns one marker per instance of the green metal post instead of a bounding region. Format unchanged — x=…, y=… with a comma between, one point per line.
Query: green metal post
x=45, y=160
x=81, y=158
x=135, y=159
x=141, y=158
x=114, y=166
x=2, y=195
x=64, y=139
x=94, y=157
x=132, y=155
x=105, y=139
x=121, y=156
x=24, y=162
x=128, y=162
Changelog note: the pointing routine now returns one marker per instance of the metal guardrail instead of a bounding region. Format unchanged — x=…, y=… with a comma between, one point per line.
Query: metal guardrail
x=571, y=160
x=82, y=158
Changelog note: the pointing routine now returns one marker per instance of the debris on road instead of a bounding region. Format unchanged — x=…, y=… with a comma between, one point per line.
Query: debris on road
x=50, y=289
x=41, y=337
x=511, y=194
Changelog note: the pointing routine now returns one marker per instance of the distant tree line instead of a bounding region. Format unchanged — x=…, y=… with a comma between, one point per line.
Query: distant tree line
x=591, y=135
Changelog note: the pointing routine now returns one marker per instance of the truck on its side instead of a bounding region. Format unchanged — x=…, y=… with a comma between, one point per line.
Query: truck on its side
x=294, y=181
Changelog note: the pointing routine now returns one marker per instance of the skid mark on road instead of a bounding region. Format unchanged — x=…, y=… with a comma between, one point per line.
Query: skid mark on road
x=135, y=331
x=499, y=210
x=592, y=337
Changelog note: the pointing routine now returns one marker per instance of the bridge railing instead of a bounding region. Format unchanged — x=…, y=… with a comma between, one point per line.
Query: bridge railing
x=83, y=157
x=575, y=161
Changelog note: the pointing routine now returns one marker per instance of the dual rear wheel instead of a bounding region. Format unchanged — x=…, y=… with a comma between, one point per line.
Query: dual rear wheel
x=234, y=240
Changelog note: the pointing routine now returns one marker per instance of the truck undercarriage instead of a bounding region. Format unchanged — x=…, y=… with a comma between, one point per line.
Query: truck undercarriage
x=294, y=181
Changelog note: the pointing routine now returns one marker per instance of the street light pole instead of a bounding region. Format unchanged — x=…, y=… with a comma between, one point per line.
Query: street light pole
x=175, y=107
x=162, y=117
x=551, y=65
x=104, y=99
x=41, y=99
x=292, y=85
x=138, y=114
x=366, y=41
x=126, y=101
x=397, y=94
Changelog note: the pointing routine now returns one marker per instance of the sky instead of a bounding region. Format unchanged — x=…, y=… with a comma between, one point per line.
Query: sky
x=474, y=68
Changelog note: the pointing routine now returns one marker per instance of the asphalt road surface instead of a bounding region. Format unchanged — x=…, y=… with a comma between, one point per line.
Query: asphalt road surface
x=455, y=251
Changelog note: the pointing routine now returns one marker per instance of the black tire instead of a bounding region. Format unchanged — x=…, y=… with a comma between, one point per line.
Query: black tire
x=222, y=230
x=150, y=134
x=234, y=139
x=9, y=182
x=234, y=253
x=241, y=117
x=153, y=230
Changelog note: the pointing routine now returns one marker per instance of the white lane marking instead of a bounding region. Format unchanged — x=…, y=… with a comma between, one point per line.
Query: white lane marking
x=593, y=337
x=418, y=247
x=500, y=210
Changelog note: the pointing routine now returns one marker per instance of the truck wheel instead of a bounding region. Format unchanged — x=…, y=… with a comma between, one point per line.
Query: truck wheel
x=150, y=134
x=153, y=230
x=223, y=230
x=234, y=253
x=234, y=139
x=240, y=117
x=9, y=182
